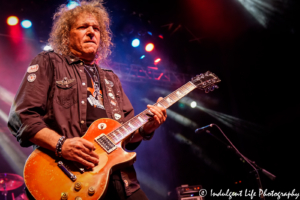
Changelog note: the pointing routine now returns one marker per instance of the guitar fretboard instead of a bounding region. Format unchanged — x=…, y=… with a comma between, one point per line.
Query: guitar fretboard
x=139, y=120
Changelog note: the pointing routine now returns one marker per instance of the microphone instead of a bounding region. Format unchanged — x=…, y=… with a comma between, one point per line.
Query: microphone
x=199, y=130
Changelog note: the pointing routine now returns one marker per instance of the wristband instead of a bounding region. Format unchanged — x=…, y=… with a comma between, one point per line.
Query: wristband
x=144, y=134
x=59, y=144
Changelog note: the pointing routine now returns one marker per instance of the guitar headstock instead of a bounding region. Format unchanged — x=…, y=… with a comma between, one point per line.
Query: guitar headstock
x=206, y=81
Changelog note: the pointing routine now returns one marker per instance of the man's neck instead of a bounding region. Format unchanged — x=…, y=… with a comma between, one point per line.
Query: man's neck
x=86, y=60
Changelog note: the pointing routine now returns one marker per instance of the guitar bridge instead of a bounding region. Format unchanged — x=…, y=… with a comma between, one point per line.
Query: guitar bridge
x=105, y=143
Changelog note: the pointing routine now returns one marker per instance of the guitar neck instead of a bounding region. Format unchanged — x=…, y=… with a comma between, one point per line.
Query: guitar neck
x=139, y=120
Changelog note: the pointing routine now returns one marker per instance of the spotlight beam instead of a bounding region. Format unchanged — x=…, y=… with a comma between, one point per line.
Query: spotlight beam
x=6, y=96
x=12, y=154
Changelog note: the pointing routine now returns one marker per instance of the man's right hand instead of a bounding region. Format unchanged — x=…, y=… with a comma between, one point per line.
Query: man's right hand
x=75, y=149
x=80, y=150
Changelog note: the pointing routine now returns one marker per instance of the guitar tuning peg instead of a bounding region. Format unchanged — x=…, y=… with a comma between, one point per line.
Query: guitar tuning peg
x=216, y=87
x=207, y=73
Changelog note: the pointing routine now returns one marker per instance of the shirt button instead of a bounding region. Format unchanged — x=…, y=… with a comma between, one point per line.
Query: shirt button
x=82, y=102
x=80, y=70
x=82, y=122
x=83, y=84
x=81, y=63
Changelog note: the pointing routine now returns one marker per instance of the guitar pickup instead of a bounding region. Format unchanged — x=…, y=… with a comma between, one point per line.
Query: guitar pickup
x=105, y=143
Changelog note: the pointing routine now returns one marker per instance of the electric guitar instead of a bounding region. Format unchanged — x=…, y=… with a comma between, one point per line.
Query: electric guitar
x=48, y=177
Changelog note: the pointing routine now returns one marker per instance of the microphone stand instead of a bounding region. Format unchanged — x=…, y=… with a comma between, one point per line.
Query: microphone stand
x=250, y=162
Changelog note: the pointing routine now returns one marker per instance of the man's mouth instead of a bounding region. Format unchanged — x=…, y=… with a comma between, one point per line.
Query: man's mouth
x=90, y=42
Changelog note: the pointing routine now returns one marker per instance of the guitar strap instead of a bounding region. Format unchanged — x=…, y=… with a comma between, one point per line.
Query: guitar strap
x=116, y=112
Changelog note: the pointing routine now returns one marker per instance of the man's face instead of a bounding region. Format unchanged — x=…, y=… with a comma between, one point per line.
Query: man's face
x=85, y=37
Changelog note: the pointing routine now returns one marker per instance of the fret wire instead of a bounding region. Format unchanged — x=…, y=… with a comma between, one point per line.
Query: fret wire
x=175, y=96
x=118, y=134
x=135, y=122
x=185, y=88
x=115, y=135
x=127, y=127
x=190, y=85
x=164, y=103
x=132, y=126
x=111, y=137
x=181, y=90
x=140, y=118
x=170, y=102
x=169, y=96
x=122, y=130
x=144, y=116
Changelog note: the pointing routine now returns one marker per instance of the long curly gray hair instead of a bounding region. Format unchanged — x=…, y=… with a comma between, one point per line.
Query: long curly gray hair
x=64, y=18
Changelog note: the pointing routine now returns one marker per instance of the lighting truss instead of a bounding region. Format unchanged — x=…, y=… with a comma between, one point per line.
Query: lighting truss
x=138, y=73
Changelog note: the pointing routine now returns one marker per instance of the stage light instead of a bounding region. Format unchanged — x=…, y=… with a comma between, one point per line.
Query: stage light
x=193, y=104
x=72, y=4
x=156, y=61
x=149, y=33
x=26, y=24
x=143, y=56
x=149, y=47
x=135, y=43
x=161, y=36
x=12, y=20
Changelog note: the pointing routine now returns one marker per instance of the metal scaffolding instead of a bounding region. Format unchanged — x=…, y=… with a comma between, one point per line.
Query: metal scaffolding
x=153, y=75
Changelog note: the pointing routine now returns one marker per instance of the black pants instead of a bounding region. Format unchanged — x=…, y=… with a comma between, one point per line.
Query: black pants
x=115, y=191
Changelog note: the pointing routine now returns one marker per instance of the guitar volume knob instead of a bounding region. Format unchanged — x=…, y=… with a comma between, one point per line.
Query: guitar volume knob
x=91, y=191
x=77, y=186
x=63, y=196
x=78, y=198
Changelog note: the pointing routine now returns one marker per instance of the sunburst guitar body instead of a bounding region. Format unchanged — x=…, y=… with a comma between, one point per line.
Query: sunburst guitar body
x=50, y=178
x=46, y=180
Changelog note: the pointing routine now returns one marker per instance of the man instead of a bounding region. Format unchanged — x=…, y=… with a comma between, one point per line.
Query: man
x=64, y=91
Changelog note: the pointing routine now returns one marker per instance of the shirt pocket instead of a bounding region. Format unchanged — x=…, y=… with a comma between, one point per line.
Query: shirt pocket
x=66, y=95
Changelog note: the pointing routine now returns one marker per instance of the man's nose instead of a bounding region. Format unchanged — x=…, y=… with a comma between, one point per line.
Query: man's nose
x=90, y=31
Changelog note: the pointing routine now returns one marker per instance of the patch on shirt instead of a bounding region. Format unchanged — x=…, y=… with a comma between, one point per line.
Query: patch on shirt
x=31, y=77
x=33, y=68
x=111, y=95
x=109, y=82
x=117, y=116
x=113, y=102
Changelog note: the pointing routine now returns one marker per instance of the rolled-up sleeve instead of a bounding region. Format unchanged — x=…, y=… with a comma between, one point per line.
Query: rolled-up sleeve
x=30, y=103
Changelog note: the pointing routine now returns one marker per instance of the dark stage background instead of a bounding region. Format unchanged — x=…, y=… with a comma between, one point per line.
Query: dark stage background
x=253, y=46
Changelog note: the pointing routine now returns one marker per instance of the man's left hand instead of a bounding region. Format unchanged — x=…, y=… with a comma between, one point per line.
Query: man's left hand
x=160, y=116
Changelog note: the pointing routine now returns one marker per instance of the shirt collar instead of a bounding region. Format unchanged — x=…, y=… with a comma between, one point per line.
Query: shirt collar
x=72, y=59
